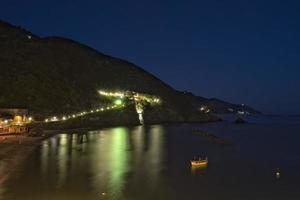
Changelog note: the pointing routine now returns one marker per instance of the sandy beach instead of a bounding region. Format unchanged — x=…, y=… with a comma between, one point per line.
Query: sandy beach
x=14, y=149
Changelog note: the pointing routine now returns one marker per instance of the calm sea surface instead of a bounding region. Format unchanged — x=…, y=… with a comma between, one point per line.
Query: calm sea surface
x=152, y=163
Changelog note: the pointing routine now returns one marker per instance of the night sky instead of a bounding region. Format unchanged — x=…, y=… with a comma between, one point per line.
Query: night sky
x=239, y=51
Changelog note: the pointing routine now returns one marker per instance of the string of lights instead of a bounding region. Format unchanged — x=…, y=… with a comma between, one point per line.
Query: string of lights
x=118, y=103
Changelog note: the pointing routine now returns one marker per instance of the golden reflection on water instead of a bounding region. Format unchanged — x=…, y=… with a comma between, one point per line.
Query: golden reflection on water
x=118, y=162
x=155, y=155
x=198, y=170
x=110, y=162
x=44, y=158
x=56, y=158
x=135, y=164
x=122, y=151
x=62, y=159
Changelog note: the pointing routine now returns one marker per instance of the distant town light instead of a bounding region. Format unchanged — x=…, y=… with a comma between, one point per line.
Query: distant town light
x=241, y=112
x=18, y=120
x=54, y=119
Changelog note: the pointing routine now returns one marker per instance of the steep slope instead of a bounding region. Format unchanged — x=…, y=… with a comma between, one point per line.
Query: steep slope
x=56, y=75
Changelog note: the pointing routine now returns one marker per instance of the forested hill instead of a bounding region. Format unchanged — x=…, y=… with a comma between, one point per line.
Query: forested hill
x=54, y=75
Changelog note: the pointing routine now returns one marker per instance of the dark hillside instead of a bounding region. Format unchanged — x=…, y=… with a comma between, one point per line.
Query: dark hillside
x=54, y=75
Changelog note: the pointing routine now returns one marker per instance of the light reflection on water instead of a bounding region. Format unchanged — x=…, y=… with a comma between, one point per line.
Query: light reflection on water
x=152, y=162
x=96, y=168
x=117, y=162
x=198, y=170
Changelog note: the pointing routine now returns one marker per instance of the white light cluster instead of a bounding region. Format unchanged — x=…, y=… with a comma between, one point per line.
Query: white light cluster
x=132, y=96
x=204, y=109
x=112, y=94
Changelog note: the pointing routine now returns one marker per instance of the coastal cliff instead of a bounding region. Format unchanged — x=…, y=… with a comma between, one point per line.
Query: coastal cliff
x=56, y=76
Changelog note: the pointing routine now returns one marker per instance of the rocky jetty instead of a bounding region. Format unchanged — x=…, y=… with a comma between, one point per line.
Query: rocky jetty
x=211, y=137
x=240, y=120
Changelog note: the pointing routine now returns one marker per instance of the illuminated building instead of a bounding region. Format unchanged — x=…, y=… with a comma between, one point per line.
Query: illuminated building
x=14, y=120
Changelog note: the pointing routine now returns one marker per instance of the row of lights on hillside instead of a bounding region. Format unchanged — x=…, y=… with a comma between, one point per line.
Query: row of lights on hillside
x=81, y=114
x=112, y=94
x=117, y=104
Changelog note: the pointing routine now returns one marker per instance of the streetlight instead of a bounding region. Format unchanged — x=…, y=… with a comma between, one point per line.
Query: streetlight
x=118, y=102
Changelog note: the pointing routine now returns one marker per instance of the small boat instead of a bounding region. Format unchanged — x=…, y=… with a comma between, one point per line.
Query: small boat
x=199, y=162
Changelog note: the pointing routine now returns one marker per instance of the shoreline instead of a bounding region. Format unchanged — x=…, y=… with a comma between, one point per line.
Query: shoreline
x=15, y=149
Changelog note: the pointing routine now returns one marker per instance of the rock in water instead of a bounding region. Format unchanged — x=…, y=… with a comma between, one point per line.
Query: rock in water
x=240, y=120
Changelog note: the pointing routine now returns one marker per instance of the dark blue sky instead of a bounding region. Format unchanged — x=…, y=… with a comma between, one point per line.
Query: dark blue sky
x=240, y=51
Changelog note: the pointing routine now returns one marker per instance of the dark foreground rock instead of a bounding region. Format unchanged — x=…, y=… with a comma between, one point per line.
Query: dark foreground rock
x=240, y=121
